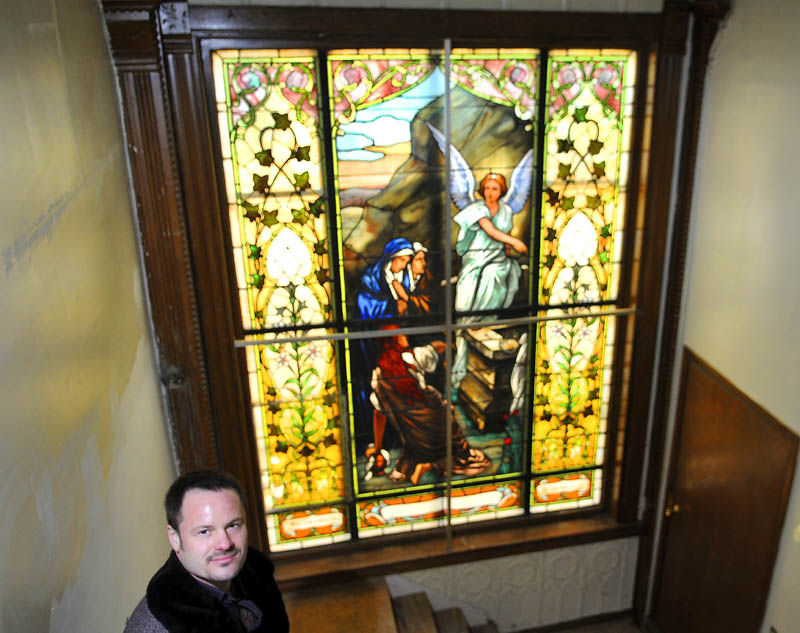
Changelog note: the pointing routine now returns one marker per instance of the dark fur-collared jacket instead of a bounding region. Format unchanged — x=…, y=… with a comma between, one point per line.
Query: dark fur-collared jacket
x=176, y=603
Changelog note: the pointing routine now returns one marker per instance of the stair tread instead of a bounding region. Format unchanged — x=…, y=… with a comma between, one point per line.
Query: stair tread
x=451, y=621
x=363, y=605
x=413, y=614
x=489, y=627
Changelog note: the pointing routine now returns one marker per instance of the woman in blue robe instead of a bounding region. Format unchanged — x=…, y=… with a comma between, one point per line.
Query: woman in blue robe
x=377, y=297
x=383, y=285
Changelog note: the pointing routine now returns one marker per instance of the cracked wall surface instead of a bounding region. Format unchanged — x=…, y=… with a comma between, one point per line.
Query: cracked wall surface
x=84, y=459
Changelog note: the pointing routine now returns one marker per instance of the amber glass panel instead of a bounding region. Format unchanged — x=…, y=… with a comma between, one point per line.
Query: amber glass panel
x=272, y=159
x=587, y=133
x=307, y=528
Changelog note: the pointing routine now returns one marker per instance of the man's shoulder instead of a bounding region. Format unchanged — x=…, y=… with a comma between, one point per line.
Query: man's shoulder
x=259, y=562
x=142, y=621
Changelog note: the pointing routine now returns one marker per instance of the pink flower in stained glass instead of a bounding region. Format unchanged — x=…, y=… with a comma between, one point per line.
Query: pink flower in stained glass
x=606, y=84
x=296, y=80
x=518, y=74
x=351, y=76
x=607, y=75
x=567, y=76
x=283, y=360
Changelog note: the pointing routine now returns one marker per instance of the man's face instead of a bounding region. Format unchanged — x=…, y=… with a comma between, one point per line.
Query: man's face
x=211, y=539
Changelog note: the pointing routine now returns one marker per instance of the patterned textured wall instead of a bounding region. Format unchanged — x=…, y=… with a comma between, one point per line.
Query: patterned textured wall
x=535, y=589
x=621, y=6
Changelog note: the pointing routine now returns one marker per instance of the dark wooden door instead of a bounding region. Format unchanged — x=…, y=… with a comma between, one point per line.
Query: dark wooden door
x=730, y=480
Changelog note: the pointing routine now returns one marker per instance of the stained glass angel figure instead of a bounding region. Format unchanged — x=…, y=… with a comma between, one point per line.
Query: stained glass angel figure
x=489, y=276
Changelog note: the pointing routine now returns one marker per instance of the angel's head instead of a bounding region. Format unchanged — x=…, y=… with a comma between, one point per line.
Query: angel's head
x=492, y=187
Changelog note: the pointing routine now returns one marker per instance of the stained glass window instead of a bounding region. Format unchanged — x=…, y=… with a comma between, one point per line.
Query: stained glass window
x=396, y=210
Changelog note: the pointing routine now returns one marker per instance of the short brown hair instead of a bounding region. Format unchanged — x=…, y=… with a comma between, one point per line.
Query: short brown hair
x=498, y=178
x=197, y=480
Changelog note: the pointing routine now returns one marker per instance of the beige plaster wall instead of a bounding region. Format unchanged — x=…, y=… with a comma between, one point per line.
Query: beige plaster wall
x=743, y=302
x=84, y=456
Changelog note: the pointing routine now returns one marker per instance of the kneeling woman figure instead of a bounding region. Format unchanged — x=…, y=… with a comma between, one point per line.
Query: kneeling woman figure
x=401, y=395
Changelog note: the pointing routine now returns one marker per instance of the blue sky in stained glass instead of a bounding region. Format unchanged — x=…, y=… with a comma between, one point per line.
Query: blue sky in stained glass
x=387, y=123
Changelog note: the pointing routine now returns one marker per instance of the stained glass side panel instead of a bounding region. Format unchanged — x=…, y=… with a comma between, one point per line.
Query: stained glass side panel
x=564, y=492
x=272, y=160
x=588, y=134
x=572, y=391
x=307, y=528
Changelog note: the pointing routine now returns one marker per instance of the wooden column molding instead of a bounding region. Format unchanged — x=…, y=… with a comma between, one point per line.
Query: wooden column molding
x=136, y=51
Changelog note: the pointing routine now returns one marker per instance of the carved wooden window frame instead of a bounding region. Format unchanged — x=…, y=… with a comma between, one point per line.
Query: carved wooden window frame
x=157, y=52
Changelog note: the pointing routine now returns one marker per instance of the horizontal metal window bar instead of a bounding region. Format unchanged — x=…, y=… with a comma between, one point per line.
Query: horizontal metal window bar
x=367, y=325
x=429, y=329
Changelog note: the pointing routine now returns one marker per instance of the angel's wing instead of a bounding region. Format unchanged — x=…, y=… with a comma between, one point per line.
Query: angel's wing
x=462, y=180
x=520, y=186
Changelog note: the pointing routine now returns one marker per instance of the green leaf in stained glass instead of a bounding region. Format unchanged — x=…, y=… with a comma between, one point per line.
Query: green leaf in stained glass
x=255, y=252
x=271, y=392
x=265, y=157
x=281, y=447
x=563, y=171
x=317, y=207
x=258, y=281
x=549, y=260
x=568, y=203
x=552, y=197
x=270, y=218
x=592, y=202
x=302, y=153
x=322, y=276
x=252, y=213
x=600, y=169
x=580, y=114
x=605, y=231
x=319, y=248
x=307, y=450
x=281, y=121
x=300, y=216
x=595, y=147
x=258, y=314
x=329, y=440
x=260, y=183
x=564, y=145
x=550, y=235
x=604, y=257
x=301, y=181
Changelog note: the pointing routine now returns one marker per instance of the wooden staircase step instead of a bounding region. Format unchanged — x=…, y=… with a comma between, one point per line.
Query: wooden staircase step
x=362, y=606
x=489, y=627
x=451, y=621
x=413, y=614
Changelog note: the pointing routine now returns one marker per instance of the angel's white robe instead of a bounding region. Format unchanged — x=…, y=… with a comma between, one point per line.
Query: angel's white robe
x=489, y=279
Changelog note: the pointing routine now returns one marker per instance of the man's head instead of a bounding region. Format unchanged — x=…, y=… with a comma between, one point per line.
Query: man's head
x=206, y=525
